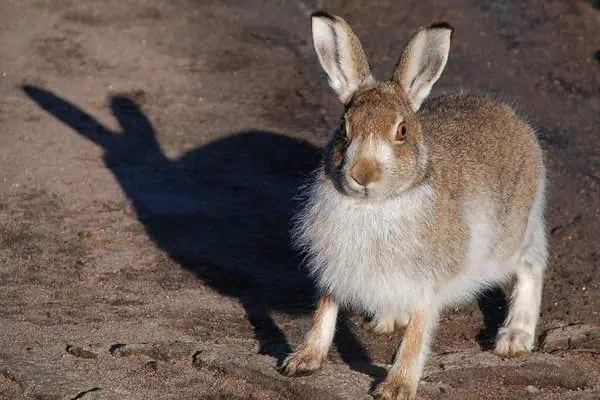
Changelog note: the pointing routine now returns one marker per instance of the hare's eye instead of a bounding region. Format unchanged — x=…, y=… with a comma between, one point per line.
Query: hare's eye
x=401, y=133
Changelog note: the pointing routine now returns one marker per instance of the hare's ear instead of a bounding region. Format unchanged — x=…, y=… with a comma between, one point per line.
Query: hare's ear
x=341, y=55
x=422, y=62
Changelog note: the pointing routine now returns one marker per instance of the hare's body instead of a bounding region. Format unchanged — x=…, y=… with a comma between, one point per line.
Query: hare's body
x=418, y=205
x=467, y=226
x=345, y=240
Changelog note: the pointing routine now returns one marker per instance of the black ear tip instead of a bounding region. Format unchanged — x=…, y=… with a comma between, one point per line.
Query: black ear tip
x=442, y=25
x=322, y=14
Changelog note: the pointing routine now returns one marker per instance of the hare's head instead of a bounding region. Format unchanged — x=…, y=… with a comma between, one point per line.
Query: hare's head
x=380, y=150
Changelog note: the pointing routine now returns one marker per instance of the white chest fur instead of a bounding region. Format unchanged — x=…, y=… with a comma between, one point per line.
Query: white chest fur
x=368, y=254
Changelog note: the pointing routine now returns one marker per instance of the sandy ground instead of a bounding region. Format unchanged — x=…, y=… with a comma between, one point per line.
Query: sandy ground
x=150, y=151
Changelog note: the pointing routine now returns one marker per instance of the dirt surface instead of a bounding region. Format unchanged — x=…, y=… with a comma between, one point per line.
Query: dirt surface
x=150, y=152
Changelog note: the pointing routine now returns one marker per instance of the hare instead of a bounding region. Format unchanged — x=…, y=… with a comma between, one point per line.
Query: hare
x=418, y=205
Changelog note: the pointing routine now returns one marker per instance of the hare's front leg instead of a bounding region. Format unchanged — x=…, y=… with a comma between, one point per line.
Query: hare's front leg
x=313, y=352
x=403, y=378
x=517, y=335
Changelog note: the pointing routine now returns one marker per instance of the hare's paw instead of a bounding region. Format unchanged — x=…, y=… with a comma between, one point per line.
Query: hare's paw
x=391, y=389
x=512, y=342
x=387, y=324
x=304, y=361
x=381, y=326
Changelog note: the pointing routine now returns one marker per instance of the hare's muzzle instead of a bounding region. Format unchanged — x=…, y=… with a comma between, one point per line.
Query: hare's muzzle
x=363, y=175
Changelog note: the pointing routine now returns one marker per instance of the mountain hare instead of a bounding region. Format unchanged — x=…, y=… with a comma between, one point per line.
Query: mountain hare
x=418, y=206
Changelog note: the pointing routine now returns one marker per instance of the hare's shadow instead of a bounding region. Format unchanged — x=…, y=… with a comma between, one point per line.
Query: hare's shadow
x=222, y=211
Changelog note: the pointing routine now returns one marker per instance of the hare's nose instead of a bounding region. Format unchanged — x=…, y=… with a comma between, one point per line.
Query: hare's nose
x=365, y=171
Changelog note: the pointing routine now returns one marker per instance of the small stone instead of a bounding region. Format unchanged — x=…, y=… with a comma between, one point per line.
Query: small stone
x=80, y=352
x=444, y=388
x=151, y=365
x=571, y=337
x=532, y=389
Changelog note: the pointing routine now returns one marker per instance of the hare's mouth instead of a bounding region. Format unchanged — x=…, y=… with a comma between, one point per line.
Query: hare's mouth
x=364, y=194
x=361, y=192
x=352, y=189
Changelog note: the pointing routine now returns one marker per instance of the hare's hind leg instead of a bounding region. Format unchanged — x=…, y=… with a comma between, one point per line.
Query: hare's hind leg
x=312, y=353
x=382, y=324
x=517, y=335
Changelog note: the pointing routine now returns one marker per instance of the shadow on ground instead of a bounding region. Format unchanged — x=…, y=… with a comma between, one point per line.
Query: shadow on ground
x=222, y=211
